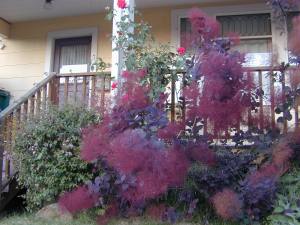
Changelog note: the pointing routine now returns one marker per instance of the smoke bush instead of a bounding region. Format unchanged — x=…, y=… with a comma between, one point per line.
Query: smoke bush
x=78, y=200
x=228, y=204
x=220, y=93
x=259, y=191
x=140, y=155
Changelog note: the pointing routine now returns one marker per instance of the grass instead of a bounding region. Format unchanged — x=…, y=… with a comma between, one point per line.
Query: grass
x=30, y=219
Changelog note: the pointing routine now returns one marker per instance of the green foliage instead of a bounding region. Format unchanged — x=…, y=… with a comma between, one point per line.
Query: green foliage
x=99, y=65
x=287, y=207
x=162, y=66
x=46, y=153
x=141, y=51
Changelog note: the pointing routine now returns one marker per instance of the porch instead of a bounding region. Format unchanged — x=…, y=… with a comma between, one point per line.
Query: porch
x=29, y=52
x=28, y=38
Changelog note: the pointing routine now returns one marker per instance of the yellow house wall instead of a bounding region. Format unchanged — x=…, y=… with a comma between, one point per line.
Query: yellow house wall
x=22, y=62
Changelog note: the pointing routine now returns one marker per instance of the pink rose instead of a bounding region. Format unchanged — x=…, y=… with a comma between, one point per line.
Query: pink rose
x=181, y=51
x=122, y=4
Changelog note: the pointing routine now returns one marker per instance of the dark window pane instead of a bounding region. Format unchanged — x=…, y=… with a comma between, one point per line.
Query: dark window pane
x=246, y=25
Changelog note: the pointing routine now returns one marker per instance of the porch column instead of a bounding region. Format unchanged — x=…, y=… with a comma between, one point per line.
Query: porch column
x=117, y=55
x=4, y=28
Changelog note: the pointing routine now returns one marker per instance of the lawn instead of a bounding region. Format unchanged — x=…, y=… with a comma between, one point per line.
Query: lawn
x=27, y=219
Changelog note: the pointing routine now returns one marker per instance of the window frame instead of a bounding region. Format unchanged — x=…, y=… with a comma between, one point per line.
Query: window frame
x=73, y=33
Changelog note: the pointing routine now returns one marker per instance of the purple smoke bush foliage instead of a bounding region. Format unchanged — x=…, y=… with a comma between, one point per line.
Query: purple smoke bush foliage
x=140, y=157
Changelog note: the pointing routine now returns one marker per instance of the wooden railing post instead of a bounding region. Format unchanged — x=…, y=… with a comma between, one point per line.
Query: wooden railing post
x=261, y=103
x=285, y=125
x=84, y=90
x=173, y=89
x=272, y=93
x=183, y=98
x=54, y=91
x=102, y=95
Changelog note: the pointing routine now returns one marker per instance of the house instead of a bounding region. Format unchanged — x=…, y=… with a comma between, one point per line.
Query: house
x=39, y=37
x=31, y=30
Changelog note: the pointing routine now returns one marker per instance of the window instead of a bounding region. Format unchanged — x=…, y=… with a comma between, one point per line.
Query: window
x=289, y=21
x=255, y=32
x=72, y=55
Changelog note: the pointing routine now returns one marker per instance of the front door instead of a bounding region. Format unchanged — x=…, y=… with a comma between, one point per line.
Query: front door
x=72, y=55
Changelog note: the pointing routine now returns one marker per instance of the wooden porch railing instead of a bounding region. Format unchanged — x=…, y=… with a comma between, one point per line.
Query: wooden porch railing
x=89, y=89
x=273, y=93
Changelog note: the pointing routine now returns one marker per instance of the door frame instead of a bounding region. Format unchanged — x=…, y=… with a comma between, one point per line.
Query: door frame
x=74, y=33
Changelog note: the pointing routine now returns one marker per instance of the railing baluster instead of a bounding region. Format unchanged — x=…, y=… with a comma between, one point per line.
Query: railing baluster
x=25, y=110
x=294, y=73
x=261, y=103
x=296, y=112
x=272, y=96
x=84, y=90
x=249, y=109
x=44, y=97
x=19, y=115
x=66, y=90
x=93, y=90
x=173, y=87
x=54, y=91
x=183, y=99
x=32, y=106
x=283, y=99
x=38, y=101
x=75, y=89
x=102, y=104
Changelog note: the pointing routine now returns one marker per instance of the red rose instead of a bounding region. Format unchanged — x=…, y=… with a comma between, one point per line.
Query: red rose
x=114, y=85
x=181, y=51
x=122, y=4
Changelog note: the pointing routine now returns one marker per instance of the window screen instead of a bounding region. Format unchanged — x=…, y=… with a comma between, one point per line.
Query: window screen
x=246, y=25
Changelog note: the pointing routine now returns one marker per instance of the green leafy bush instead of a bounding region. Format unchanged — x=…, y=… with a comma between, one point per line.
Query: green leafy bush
x=46, y=153
x=287, y=207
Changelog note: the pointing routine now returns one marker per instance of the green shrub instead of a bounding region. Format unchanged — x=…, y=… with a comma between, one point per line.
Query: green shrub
x=287, y=207
x=46, y=154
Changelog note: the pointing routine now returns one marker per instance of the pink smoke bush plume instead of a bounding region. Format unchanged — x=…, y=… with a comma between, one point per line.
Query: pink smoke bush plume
x=227, y=204
x=78, y=200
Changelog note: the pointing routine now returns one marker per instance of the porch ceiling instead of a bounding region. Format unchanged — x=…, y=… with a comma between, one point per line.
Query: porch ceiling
x=22, y=10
